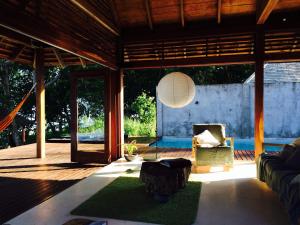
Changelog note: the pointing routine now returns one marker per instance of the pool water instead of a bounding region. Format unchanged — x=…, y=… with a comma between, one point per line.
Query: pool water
x=239, y=144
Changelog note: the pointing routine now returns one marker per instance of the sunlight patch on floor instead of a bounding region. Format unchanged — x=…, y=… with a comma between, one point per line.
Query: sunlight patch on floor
x=240, y=170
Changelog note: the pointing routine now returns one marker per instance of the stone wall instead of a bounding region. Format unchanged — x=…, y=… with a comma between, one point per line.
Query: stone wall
x=233, y=105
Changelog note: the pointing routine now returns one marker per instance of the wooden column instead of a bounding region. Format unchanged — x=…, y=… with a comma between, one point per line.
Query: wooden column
x=74, y=119
x=40, y=103
x=108, y=116
x=116, y=114
x=121, y=113
x=259, y=91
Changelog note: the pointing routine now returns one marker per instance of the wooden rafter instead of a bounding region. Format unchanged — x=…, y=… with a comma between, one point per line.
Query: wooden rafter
x=18, y=38
x=47, y=33
x=264, y=9
x=17, y=53
x=115, y=13
x=59, y=58
x=295, y=42
x=190, y=62
x=182, y=13
x=148, y=13
x=83, y=62
x=92, y=12
x=219, y=11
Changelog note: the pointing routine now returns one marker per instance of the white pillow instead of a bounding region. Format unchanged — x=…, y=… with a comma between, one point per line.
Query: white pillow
x=206, y=139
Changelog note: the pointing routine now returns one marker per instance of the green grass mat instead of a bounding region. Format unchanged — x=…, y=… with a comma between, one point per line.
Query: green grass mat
x=125, y=199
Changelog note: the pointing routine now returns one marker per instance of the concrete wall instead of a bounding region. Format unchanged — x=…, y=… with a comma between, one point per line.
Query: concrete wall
x=233, y=105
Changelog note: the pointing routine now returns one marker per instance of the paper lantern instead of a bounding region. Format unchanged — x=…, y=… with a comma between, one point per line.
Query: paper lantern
x=176, y=90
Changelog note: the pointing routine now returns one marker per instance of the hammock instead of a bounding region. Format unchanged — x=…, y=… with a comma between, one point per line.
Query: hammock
x=10, y=117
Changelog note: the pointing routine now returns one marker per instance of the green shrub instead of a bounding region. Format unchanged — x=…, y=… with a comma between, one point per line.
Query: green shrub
x=97, y=124
x=145, y=108
x=134, y=127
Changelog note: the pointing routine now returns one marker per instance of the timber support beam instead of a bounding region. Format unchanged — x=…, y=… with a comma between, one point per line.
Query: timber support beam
x=264, y=9
x=259, y=91
x=40, y=103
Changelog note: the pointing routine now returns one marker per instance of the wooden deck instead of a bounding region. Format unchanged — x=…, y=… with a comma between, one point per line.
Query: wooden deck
x=186, y=153
x=26, y=181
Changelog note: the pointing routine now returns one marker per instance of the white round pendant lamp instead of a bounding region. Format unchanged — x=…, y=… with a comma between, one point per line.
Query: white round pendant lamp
x=176, y=90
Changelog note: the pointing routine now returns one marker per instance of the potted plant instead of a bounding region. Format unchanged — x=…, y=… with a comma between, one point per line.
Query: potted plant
x=130, y=149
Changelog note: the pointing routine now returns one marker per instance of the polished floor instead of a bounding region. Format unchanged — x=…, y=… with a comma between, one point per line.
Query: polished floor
x=26, y=181
x=227, y=198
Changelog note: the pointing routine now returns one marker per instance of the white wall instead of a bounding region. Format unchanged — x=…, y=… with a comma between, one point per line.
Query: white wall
x=233, y=105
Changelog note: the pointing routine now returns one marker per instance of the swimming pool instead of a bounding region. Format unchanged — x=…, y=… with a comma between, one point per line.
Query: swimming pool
x=239, y=144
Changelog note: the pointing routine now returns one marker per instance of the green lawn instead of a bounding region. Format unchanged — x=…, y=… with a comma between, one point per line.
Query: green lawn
x=125, y=199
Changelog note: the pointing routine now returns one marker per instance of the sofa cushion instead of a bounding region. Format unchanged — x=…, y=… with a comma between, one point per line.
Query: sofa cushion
x=271, y=165
x=293, y=161
x=283, y=179
x=287, y=151
x=206, y=139
x=280, y=181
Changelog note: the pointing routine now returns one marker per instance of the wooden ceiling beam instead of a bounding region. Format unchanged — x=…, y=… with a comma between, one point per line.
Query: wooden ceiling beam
x=264, y=9
x=282, y=57
x=17, y=53
x=294, y=45
x=182, y=13
x=228, y=27
x=219, y=10
x=94, y=14
x=148, y=13
x=59, y=58
x=115, y=13
x=163, y=33
x=190, y=62
x=45, y=32
x=18, y=38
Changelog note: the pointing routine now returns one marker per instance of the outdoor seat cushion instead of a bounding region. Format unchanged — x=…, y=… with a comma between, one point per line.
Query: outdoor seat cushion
x=220, y=155
x=296, y=141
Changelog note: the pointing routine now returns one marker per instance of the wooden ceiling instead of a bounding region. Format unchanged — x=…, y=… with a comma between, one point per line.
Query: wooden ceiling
x=136, y=13
x=146, y=31
x=62, y=25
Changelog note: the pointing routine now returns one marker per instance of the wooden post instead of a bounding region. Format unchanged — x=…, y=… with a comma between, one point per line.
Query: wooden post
x=108, y=115
x=259, y=91
x=40, y=103
x=23, y=135
x=114, y=115
x=74, y=119
x=121, y=112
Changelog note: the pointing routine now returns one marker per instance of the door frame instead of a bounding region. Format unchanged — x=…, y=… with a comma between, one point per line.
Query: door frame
x=90, y=157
